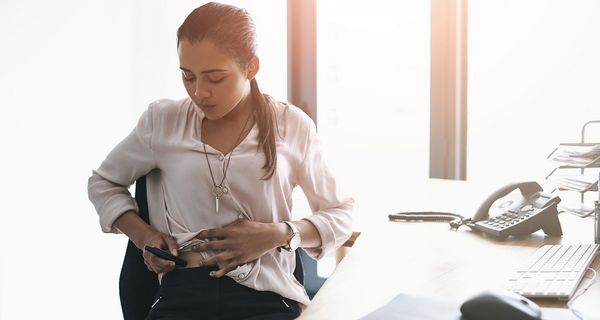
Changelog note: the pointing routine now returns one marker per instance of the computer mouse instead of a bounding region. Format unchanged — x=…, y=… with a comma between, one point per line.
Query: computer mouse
x=500, y=305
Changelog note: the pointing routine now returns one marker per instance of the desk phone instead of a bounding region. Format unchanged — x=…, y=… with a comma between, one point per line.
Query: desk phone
x=537, y=210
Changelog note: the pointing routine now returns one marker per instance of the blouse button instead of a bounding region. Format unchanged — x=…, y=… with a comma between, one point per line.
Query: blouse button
x=221, y=157
x=241, y=276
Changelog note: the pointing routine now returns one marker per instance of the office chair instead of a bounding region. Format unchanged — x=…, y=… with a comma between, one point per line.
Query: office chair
x=137, y=284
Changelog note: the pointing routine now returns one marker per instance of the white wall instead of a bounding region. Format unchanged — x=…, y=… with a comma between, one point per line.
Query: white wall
x=65, y=97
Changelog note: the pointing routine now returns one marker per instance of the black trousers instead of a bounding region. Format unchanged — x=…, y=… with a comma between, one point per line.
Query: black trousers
x=192, y=294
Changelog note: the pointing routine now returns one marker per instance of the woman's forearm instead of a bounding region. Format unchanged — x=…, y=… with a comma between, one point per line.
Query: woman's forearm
x=134, y=227
x=308, y=234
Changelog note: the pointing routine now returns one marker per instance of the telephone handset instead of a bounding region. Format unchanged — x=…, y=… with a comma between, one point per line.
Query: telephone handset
x=537, y=210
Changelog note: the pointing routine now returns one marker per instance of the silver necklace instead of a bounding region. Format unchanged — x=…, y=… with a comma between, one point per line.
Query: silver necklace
x=218, y=190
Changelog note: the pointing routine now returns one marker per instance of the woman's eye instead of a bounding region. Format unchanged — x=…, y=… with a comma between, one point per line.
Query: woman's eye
x=188, y=79
x=216, y=81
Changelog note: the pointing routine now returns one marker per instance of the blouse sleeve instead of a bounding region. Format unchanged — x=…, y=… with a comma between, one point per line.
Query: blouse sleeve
x=331, y=214
x=130, y=159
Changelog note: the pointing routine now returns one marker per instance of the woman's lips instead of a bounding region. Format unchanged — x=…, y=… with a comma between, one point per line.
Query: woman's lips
x=206, y=106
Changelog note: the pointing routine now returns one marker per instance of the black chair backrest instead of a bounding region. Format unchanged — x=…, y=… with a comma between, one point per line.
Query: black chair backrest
x=137, y=284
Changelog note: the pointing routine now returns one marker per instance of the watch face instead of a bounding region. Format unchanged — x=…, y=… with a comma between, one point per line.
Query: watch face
x=295, y=242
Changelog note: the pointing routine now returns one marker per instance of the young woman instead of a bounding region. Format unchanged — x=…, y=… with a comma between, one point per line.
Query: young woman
x=220, y=167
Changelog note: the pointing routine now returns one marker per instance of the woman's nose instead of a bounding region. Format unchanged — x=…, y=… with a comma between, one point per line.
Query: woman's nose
x=201, y=92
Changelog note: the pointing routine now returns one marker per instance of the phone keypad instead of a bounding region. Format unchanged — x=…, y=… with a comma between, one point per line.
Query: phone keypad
x=506, y=219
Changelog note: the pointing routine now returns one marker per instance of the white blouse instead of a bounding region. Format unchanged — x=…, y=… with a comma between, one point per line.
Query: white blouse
x=166, y=147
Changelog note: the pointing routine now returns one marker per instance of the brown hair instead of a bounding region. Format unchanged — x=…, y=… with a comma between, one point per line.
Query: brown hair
x=232, y=30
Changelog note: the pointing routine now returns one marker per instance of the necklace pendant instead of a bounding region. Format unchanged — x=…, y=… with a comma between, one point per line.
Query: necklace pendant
x=218, y=192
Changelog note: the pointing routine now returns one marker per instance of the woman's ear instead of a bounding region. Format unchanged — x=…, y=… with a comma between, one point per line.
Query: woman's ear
x=253, y=67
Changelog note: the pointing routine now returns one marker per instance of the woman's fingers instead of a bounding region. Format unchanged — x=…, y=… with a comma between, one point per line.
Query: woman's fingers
x=210, y=245
x=154, y=263
x=221, y=272
x=212, y=233
x=159, y=265
x=171, y=244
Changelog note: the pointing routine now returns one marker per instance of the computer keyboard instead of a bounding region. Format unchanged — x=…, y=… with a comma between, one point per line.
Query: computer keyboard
x=553, y=271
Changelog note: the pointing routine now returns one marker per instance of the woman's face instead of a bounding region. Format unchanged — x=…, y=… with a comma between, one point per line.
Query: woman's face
x=213, y=80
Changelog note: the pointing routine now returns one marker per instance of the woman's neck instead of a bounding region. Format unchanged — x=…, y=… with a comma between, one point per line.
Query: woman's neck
x=226, y=133
x=238, y=115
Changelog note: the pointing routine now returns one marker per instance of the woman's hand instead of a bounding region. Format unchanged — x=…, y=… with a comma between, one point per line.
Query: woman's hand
x=162, y=241
x=240, y=242
x=142, y=234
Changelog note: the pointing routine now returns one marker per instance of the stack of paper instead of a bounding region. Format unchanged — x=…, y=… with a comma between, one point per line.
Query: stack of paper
x=579, y=183
x=578, y=155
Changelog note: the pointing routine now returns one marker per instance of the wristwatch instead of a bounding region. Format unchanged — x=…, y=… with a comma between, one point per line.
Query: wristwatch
x=294, y=241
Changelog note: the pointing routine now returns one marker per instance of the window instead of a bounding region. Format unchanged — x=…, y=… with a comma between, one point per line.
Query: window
x=534, y=75
x=373, y=94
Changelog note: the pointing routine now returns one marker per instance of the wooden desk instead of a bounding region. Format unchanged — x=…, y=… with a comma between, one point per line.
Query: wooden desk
x=427, y=258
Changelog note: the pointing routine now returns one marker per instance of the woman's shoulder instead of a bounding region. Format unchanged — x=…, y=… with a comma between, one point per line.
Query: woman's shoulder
x=170, y=107
x=164, y=116
x=292, y=116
